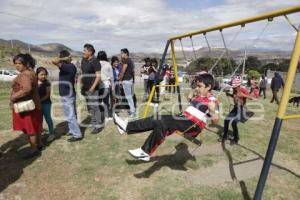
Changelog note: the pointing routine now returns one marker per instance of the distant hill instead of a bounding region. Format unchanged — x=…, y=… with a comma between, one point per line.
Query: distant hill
x=51, y=49
x=55, y=47
x=45, y=52
x=42, y=53
x=261, y=54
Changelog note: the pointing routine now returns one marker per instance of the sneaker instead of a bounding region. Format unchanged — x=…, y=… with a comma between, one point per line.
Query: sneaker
x=41, y=147
x=234, y=142
x=120, y=130
x=96, y=131
x=139, y=154
x=146, y=159
x=69, y=134
x=74, y=139
x=120, y=122
x=108, y=119
x=133, y=115
x=51, y=137
x=222, y=139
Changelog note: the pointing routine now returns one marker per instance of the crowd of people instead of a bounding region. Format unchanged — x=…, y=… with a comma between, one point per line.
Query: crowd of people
x=165, y=77
x=106, y=86
x=102, y=82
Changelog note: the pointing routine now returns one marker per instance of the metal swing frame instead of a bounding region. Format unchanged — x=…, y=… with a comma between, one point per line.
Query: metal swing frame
x=281, y=113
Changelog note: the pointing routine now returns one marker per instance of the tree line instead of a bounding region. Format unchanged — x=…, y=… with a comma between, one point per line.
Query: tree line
x=226, y=66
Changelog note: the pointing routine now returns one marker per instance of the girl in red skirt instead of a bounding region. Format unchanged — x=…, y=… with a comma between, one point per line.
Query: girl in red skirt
x=25, y=87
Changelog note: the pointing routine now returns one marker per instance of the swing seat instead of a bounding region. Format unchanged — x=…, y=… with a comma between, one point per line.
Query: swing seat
x=192, y=136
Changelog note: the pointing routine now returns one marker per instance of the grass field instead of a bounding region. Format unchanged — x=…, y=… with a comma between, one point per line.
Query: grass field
x=99, y=167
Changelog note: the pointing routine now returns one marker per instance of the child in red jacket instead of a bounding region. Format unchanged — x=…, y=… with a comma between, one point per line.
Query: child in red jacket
x=193, y=120
x=238, y=113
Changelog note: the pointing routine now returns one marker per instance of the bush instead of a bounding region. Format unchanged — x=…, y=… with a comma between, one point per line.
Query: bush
x=254, y=73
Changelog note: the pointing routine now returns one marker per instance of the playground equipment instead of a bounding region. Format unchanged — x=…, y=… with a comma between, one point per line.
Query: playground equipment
x=281, y=113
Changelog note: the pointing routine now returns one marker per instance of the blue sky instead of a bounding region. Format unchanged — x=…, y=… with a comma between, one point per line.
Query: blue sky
x=141, y=26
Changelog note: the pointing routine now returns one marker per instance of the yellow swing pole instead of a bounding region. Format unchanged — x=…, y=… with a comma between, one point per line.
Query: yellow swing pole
x=174, y=62
x=279, y=119
x=290, y=78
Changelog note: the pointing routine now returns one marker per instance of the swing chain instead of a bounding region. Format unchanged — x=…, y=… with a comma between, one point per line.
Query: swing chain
x=182, y=49
x=208, y=45
x=191, y=37
x=289, y=21
x=221, y=56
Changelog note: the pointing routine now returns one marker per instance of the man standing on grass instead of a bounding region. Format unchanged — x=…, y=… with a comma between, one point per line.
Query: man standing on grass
x=67, y=74
x=127, y=78
x=276, y=84
x=90, y=80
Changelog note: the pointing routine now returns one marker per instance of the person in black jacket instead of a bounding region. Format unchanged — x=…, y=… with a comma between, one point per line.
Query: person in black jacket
x=90, y=81
x=276, y=84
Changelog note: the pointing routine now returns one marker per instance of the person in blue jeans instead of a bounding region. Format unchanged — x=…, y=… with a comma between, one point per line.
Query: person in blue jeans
x=67, y=74
x=127, y=78
x=45, y=93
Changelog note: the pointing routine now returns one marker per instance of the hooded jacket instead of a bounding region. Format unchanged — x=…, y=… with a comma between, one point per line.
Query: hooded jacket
x=277, y=82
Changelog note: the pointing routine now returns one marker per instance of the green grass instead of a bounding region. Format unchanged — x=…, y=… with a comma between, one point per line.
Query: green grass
x=4, y=105
x=99, y=167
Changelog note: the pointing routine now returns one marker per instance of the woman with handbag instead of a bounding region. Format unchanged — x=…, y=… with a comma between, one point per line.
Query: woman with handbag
x=25, y=103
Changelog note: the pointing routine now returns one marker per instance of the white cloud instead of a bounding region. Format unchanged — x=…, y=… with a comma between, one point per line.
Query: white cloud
x=142, y=26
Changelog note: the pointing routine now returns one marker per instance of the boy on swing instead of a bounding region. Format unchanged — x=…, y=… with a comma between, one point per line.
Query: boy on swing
x=193, y=120
x=238, y=113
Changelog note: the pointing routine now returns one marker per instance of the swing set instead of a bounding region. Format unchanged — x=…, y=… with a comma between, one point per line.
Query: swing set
x=281, y=113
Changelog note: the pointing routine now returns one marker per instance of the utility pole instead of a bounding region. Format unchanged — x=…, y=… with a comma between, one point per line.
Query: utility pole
x=244, y=62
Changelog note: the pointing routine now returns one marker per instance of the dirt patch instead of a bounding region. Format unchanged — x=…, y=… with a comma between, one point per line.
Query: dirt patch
x=222, y=172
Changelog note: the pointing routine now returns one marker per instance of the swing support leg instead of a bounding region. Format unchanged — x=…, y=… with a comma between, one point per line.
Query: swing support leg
x=157, y=75
x=176, y=74
x=280, y=117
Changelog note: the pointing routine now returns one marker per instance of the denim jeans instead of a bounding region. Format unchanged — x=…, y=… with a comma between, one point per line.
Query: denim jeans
x=128, y=90
x=46, y=111
x=69, y=106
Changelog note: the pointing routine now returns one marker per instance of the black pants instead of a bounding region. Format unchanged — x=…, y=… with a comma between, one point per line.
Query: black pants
x=262, y=90
x=172, y=82
x=161, y=128
x=275, y=96
x=235, y=115
x=105, y=95
x=156, y=93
